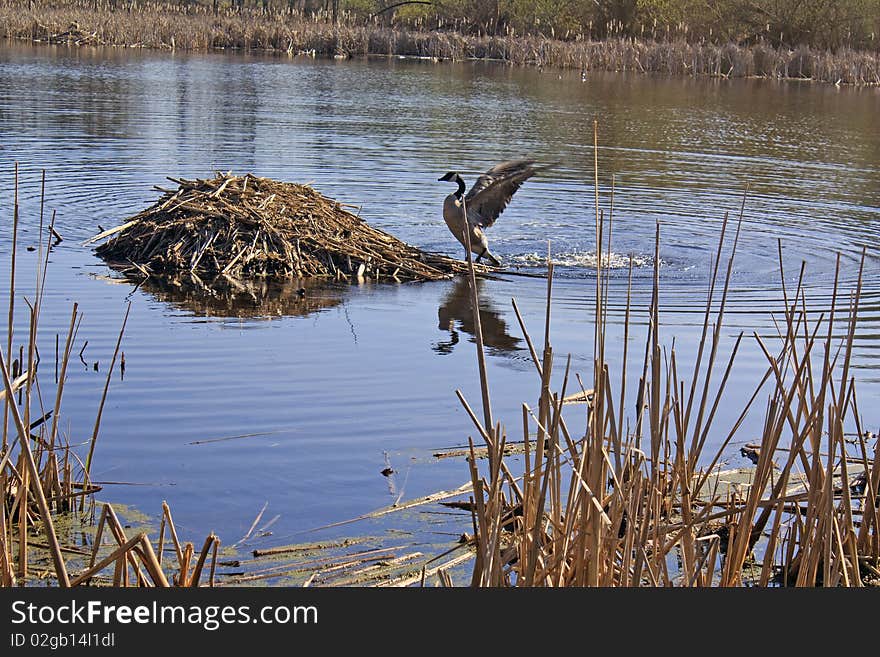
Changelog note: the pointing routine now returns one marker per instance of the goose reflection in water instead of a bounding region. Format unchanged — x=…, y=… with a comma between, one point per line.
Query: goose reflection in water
x=455, y=315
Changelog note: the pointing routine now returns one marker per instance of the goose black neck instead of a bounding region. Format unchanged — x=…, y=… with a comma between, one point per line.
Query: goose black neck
x=461, y=186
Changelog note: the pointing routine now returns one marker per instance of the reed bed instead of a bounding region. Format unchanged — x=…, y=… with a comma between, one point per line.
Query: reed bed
x=201, y=27
x=46, y=493
x=232, y=227
x=638, y=499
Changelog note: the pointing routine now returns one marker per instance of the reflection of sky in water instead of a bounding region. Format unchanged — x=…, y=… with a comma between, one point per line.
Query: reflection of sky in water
x=361, y=371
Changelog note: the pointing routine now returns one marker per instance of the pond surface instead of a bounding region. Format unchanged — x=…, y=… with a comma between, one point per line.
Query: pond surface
x=313, y=400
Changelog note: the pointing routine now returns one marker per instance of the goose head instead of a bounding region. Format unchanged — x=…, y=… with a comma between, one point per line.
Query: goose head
x=452, y=176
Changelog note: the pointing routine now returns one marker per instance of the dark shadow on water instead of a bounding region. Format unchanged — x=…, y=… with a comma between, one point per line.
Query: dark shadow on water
x=455, y=314
x=230, y=297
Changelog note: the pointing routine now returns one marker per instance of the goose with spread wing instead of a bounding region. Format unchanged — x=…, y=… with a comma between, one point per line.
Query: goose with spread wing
x=484, y=202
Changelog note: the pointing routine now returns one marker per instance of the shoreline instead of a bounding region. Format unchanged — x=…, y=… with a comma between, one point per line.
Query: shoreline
x=297, y=36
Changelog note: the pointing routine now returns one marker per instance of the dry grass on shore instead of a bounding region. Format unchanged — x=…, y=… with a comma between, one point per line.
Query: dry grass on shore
x=196, y=28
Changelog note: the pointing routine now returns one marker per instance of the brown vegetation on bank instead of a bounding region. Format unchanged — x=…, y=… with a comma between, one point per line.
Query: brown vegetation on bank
x=195, y=27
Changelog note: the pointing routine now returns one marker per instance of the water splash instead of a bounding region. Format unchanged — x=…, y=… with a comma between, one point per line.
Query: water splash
x=582, y=259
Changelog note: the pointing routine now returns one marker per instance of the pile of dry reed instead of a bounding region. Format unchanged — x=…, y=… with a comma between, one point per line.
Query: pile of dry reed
x=246, y=227
x=638, y=501
x=46, y=492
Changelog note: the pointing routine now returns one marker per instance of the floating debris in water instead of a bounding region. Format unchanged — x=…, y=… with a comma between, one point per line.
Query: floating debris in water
x=250, y=227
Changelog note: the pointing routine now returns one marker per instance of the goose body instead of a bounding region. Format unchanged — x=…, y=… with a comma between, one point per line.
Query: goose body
x=484, y=203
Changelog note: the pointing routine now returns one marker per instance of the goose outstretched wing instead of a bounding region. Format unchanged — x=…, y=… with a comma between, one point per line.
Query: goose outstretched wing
x=493, y=190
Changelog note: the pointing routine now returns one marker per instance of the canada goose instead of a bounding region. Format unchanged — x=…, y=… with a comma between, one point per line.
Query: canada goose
x=485, y=201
